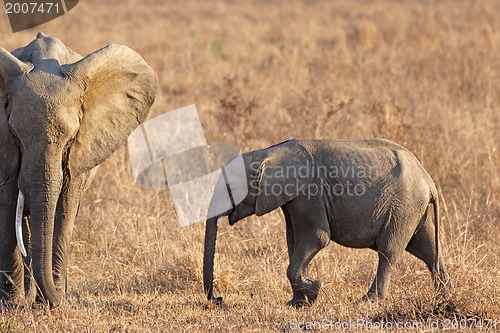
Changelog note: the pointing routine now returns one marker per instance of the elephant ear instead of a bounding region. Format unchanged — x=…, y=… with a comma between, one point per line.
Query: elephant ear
x=119, y=89
x=8, y=151
x=10, y=67
x=283, y=175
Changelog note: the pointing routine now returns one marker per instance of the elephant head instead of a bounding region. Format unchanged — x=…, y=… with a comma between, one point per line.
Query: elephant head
x=273, y=176
x=61, y=116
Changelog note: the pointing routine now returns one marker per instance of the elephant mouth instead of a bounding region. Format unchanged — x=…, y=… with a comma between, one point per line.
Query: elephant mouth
x=233, y=216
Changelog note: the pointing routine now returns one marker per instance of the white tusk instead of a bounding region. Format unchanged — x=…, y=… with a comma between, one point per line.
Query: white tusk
x=19, y=223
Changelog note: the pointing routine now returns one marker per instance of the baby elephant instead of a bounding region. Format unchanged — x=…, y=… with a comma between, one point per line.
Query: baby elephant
x=368, y=193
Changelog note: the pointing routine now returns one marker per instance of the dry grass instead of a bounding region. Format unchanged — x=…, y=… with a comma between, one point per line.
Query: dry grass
x=423, y=73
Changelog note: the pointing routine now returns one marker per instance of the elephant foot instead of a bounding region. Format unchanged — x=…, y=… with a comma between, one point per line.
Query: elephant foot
x=11, y=297
x=10, y=303
x=370, y=296
x=305, y=295
x=298, y=303
x=312, y=291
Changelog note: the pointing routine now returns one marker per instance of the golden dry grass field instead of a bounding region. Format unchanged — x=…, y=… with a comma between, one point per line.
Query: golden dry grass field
x=425, y=74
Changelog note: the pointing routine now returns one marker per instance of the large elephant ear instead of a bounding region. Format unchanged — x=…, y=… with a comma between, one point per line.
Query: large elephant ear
x=10, y=67
x=8, y=151
x=119, y=89
x=283, y=175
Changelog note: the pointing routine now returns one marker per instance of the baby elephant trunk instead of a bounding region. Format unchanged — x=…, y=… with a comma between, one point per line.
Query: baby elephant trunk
x=208, y=258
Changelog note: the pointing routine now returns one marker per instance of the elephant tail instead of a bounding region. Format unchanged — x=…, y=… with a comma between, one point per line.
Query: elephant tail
x=208, y=259
x=435, y=205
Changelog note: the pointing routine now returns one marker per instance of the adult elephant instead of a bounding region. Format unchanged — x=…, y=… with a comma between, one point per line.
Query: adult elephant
x=61, y=116
x=369, y=193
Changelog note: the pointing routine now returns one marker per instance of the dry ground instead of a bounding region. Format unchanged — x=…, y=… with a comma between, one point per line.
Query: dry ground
x=423, y=73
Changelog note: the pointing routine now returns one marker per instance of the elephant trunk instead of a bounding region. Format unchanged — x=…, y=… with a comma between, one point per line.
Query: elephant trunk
x=208, y=257
x=42, y=200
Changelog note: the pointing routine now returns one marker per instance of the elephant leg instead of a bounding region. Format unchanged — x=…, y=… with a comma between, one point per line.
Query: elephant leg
x=289, y=234
x=390, y=244
x=290, y=245
x=380, y=285
x=11, y=263
x=307, y=237
x=305, y=290
x=423, y=246
x=11, y=267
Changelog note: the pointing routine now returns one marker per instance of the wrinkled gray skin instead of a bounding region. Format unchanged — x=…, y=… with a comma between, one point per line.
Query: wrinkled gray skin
x=375, y=195
x=61, y=116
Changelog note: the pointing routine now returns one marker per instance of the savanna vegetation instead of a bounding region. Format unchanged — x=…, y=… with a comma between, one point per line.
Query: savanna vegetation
x=425, y=74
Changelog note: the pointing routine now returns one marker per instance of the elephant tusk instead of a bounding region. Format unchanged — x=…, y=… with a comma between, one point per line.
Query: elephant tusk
x=19, y=223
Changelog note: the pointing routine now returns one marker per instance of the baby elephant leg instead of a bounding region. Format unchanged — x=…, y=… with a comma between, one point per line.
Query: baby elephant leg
x=305, y=290
x=380, y=285
x=390, y=244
